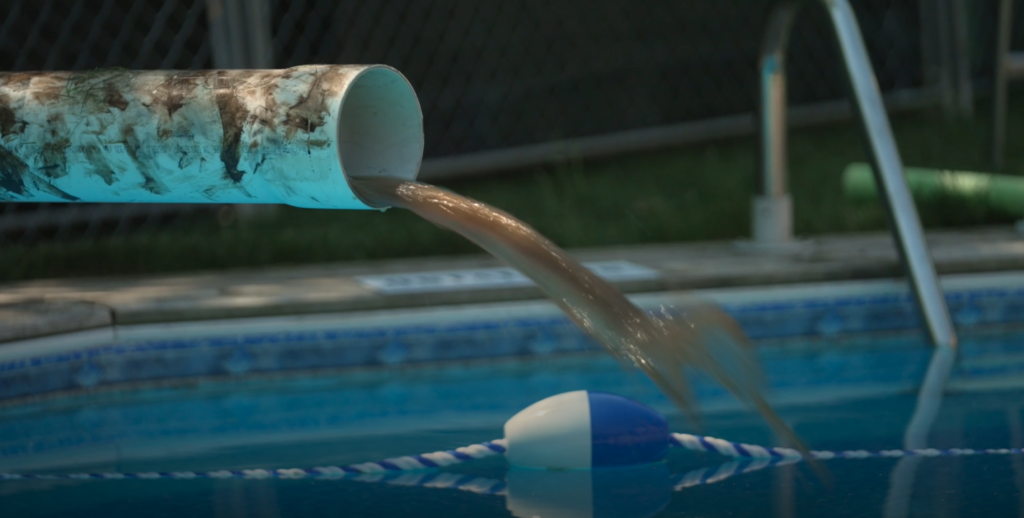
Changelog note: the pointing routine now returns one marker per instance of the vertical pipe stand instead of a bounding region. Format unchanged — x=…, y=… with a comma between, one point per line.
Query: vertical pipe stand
x=772, y=208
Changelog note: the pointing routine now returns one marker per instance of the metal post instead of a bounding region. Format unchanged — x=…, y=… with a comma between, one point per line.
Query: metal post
x=946, y=57
x=772, y=212
x=962, y=57
x=772, y=207
x=240, y=33
x=945, y=54
x=999, y=82
x=931, y=47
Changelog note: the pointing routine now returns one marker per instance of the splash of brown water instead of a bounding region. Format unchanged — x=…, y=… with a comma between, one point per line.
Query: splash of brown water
x=703, y=337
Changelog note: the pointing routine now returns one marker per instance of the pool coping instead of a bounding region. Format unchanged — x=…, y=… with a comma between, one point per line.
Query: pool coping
x=43, y=308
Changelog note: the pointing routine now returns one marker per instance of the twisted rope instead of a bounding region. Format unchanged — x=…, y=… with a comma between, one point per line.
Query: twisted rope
x=753, y=458
x=437, y=459
x=751, y=451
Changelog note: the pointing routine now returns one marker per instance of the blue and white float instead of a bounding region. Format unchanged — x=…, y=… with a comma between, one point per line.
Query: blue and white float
x=583, y=430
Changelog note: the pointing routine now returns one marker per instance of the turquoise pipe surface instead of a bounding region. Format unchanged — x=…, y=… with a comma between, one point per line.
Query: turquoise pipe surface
x=290, y=136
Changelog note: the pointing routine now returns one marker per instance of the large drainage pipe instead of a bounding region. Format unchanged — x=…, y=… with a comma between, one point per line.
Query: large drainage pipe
x=290, y=136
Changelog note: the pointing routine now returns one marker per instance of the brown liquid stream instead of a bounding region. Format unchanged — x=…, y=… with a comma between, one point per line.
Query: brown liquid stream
x=701, y=336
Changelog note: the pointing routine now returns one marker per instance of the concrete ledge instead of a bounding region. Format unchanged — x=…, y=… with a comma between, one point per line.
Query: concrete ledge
x=55, y=306
x=32, y=319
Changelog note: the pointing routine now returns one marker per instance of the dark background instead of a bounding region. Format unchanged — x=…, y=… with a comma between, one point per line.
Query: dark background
x=498, y=74
x=495, y=76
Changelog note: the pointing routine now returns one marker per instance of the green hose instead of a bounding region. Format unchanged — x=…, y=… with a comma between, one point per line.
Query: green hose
x=1000, y=192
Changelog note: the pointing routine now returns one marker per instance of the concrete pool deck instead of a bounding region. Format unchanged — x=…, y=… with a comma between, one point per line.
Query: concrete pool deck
x=48, y=307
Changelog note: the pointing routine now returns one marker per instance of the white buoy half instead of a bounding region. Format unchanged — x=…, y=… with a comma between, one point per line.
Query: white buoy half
x=552, y=433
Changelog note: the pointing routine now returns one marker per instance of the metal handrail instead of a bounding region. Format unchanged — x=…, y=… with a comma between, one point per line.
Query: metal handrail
x=772, y=223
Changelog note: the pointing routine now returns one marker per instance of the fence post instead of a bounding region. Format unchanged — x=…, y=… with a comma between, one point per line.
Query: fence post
x=240, y=36
x=240, y=33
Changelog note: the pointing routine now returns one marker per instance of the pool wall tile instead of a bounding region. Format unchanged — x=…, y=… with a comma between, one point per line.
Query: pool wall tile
x=467, y=334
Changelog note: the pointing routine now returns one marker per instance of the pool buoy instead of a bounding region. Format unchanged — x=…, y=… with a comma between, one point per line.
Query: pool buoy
x=583, y=430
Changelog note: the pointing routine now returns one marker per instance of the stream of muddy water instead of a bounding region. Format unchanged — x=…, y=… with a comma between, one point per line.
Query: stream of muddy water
x=698, y=335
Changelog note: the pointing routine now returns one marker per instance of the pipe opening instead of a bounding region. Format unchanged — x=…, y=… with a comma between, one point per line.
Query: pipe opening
x=380, y=127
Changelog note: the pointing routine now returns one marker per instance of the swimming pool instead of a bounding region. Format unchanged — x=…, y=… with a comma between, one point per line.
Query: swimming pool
x=843, y=362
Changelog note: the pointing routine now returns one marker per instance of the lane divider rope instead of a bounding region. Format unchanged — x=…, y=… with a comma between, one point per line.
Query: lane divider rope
x=751, y=451
x=751, y=458
x=437, y=459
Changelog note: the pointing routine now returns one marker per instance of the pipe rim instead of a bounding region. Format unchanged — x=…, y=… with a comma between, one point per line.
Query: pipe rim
x=380, y=127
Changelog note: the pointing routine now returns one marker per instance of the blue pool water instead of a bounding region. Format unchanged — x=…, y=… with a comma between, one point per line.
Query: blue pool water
x=839, y=394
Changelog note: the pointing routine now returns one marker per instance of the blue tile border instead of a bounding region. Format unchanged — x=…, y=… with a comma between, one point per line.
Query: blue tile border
x=464, y=338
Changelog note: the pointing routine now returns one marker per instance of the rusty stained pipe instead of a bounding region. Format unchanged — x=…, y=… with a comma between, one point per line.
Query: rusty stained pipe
x=290, y=136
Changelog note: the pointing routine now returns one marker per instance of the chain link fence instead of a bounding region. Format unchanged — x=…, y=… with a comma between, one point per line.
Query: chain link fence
x=499, y=74
x=490, y=75
x=82, y=35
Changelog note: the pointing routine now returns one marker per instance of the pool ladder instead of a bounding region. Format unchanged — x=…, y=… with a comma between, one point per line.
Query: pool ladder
x=773, y=221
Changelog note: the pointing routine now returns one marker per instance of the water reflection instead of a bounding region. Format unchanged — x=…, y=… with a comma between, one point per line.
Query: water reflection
x=1013, y=420
x=929, y=401
x=630, y=492
x=246, y=499
x=783, y=492
x=636, y=492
